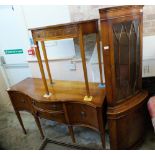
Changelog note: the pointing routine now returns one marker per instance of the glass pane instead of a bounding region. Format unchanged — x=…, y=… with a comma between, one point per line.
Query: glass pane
x=124, y=63
x=137, y=58
x=127, y=58
x=133, y=80
x=116, y=48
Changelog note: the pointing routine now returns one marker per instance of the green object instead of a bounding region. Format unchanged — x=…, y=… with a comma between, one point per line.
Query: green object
x=13, y=51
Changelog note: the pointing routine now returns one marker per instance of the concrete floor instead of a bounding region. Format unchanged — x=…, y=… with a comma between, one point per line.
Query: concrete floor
x=12, y=137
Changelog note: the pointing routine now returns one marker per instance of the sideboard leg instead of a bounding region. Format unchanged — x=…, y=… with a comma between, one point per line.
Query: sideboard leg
x=39, y=126
x=70, y=128
x=102, y=135
x=20, y=121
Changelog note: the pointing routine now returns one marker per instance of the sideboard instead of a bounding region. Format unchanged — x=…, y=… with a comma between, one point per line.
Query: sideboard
x=66, y=101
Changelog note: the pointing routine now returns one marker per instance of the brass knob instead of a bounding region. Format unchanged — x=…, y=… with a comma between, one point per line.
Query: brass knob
x=33, y=102
x=22, y=101
x=54, y=106
x=83, y=114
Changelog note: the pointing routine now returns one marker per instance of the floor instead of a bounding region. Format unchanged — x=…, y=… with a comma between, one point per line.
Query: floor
x=12, y=137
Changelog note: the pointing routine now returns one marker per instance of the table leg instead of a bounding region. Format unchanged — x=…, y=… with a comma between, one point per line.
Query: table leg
x=20, y=121
x=46, y=61
x=99, y=57
x=70, y=128
x=41, y=69
x=81, y=41
x=102, y=135
x=101, y=123
x=39, y=126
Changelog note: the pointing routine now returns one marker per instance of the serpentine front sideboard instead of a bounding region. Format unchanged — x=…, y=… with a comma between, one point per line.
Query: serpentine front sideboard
x=66, y=101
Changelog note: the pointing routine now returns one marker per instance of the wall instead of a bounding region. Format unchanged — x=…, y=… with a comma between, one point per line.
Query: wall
x=13, y=36
x=149, y=20
x=35, y=16
x=70, y=69
x=39, y=16
x=82, y=12
x=60, y=70
x=60, y=53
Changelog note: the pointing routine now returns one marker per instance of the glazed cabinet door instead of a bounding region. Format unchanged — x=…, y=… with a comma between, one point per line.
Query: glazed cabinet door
x=126, y=44
x=125, y=55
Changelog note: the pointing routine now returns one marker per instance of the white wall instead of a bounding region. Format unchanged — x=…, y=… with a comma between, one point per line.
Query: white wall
x=149, y=47
x=44, y=15
x=60, y=70
x=14, y=35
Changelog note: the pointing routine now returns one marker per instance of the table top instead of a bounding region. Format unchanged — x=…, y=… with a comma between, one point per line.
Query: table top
x=62, y=91
x=65, y=24
x=64, y=31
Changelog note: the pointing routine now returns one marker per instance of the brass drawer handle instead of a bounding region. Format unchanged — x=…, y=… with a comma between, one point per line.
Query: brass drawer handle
x=54, y=106
x=22, y=101
x=83, y=114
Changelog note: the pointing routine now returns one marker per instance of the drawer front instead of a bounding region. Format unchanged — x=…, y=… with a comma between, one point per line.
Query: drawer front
x=50, y=111
x=58, y=117
x=21, y=101
x=55, y=106
x=82, y=114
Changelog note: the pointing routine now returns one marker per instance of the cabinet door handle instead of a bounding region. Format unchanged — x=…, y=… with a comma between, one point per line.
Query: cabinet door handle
x=33, y=102
x=22, y=101
x=54, y=106
x=83, y=114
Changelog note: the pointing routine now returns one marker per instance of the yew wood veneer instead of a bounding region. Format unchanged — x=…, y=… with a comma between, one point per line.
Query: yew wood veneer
x=65, y=31
x=122, y=35
x=67, y=97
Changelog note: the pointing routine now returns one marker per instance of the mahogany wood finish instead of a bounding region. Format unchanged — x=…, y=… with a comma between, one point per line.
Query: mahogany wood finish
x=46, y=61
x=65, y=105
x=41, y=67
x=54, y=112
x=121, y=31
x=22, y=102
x=99, y=56
x=64, y=31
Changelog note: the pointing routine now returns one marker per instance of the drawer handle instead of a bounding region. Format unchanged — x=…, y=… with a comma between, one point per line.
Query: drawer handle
x=83, y=114
x=54, y=106
x=33, y=102
x=22, y=101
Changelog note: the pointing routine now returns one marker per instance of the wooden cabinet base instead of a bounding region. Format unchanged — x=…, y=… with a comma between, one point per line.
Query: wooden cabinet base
x=65, y=105
x=127, y=123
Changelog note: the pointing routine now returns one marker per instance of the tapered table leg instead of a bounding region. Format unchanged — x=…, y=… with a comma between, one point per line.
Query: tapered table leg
x=47, y=94
x=99, y=56
x=70, y=128
x=81, y=41
x=102, y=135
x=39, y=126
x=20, y=121
x=46, y=61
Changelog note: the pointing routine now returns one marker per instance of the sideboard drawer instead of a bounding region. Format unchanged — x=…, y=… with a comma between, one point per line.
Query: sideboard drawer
x=49, y=110
x=21, y=101
x=80, y=114
x=55, y=106
x=55, y=116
